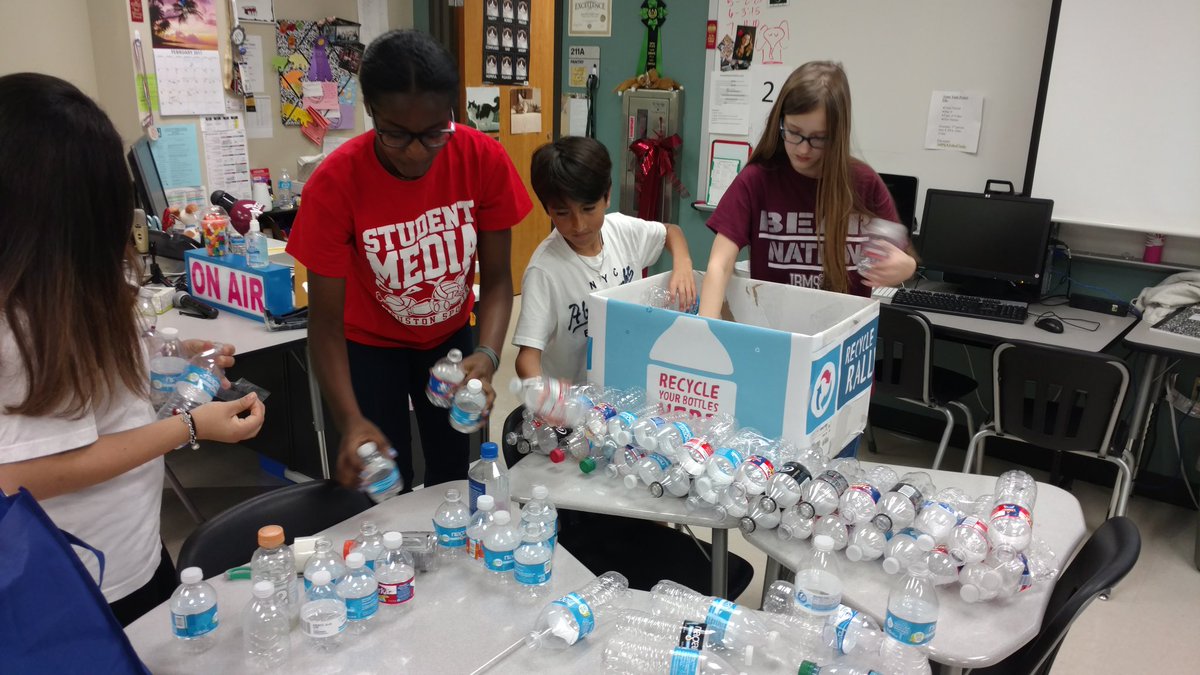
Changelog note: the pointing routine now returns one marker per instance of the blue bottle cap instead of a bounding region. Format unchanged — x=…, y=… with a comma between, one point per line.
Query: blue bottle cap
x=489, y=451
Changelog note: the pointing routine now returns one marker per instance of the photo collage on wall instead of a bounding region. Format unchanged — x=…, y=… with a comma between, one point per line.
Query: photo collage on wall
x=506, y=41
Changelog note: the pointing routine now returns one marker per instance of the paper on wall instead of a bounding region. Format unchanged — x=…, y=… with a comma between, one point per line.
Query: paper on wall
x=955, y=119
x=252, y=65
x=176, y=156
x=729, y=104
x=260, y=123
x=225, y=154
x=189, y=82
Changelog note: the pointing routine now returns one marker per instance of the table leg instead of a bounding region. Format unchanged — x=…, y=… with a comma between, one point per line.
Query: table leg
x=720, y=561
x=1141, y=409
x=318, y=413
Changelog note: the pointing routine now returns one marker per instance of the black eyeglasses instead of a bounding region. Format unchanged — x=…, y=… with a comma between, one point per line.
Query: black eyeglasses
x=796, y=138
x=430, y=139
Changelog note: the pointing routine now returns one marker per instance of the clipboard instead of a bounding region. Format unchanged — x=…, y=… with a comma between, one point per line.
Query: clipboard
x=725, y=160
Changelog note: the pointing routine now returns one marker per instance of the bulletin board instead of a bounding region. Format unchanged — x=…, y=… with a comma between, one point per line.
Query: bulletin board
x=309, y=57
x=896, y=54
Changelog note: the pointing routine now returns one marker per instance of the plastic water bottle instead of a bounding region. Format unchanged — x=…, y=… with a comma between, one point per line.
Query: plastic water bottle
x=624, y=462
x=671, y=436
x=488, y=477
x=902, y=551
x=532, y=563
x=380, y=477
x=540, y=509
x=197, y=385
x=1011, y=526
x=912, y=614
x=573, y=617
x=466, y=413
x=852, y=633
x=793, y=525
x=396, y=575
x=877, y=231
x=938, y=516
x=369, y=543
x=274, y=562
x=733, y=627
x=759, y=518
x=265, y=628
x=444, y=378
x=323, y=616
x=899, y=506
x=968, y=541
x=662, y=298
x=606, y=407
x=860, y=502
x=632, y=657
x=621, y=428
x=237, y=241
x=675, y=482
x=450, y=521
x=810, y=668
x=480, y=521
x=286, y=196
x=359, y=590
x=166, y=365
x=867, y=542
x=324, y=558
x=646, y=429
x=575, y=444
x=499, y=541
x=818, y=580
x=943, y=569
x=194, y=612
x=185, y=397
x=554, y=400
x=696, y=451
x=257, y=249
x=637, y=626
x=822, y=495
x=599, y=454
x=652, y=468
x=832, y=526
x=722, y=467
x=784, y=487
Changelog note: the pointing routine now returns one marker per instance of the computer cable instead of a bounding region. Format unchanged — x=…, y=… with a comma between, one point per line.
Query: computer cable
x=1074, y=322
x=593, y=81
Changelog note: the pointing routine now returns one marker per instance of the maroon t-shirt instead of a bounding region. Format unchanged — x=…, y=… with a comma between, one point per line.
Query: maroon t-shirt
x=770, y=209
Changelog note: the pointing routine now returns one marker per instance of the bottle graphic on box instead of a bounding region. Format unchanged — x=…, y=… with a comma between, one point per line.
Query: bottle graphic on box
x=689, y=370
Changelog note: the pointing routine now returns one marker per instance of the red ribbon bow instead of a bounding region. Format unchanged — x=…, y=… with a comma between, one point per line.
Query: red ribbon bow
x=655, y=163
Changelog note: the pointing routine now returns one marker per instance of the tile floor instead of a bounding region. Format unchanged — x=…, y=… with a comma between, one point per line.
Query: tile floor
x=1143, y=628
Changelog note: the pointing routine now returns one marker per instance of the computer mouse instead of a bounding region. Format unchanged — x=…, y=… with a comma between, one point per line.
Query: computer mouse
x=1049, y=323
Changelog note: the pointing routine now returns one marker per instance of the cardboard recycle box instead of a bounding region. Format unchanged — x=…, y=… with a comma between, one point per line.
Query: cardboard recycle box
x=792, y=362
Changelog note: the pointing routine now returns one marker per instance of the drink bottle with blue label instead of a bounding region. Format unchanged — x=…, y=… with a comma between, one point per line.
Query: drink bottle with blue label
x=380, y=477
x=911, y=622
x=733, y=627
x=359, y=590
x=573, y=617
x=499, y=541
x=194, y=611
x=633, y=657
x=450, y=523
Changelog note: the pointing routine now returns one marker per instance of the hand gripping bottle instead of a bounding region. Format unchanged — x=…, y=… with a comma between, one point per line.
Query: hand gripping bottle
x=323, y=615
x=380, y=477
x=194, y=611
x=792, y=525
x=675, y=482
x=324, y=558
x=197, y=385
x=912, y=615
x=166, y=366
x=783, y=489
x=831, y=526
x=938, y=516
x=369, y=542
x=572, y=617
x=899, y=506
x=466, y=412
x=1011, y=526
x=499, y=541
x=733, y=627
x=444, y=378
x=867, y=542
x=821, y=495
x=395, y=574
x=860, y=502
x=877, y=231
x=450, y=522
x=697, y=450
x=635, y=657
x=359, y=590
x=902, y=551
x=484, y=516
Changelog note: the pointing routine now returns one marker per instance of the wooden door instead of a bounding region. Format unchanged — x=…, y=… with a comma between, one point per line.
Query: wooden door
x=530, y=232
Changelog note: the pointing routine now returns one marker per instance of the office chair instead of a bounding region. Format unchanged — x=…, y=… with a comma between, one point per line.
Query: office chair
x=644, y=551
x=1063, y=400
x=1103, y=560
x=230, y=538
x=904, y=369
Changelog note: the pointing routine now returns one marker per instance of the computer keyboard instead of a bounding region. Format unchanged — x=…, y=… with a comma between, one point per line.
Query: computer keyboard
x=962, y=305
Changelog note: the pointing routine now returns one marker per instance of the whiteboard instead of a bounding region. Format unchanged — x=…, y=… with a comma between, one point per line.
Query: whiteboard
x=1120, y=139
x=896, y=54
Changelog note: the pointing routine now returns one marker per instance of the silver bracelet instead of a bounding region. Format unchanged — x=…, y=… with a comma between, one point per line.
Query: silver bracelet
x=491, y=354
x=191, y=427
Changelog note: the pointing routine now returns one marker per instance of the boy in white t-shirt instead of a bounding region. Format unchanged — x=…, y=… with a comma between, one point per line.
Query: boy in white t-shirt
x=588, y=250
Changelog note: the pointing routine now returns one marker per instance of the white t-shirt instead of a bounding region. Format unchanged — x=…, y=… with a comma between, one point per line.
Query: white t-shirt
x=120, y=517
x=557, y=282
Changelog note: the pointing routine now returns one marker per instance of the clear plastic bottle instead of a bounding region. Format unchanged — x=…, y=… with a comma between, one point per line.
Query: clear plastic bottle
x=1010, y=528
x=604, y=409
x=488, y=477
x=943, y=569
x=621, y=427
x=554, y=400
x=166, y=365
x=359, y=590
x=323, y=615
x=698, y=450
x=258, y=253
x=532, y=561
x=877, y=231
x=274, y=562
x=369, y=543
x=867, y=542
x=860, y=502
x=671, y=436
x=822, y=495
x=199, y=383
x=499, y=541
x=723, y=465
x=380, y=477
x=784, y=487
x=675, y=482
x=624, y=463
x=450, y=521
x=194, y=612
x=662, y=298
x=646, y=429
x=541, y=509
x=899, y=506
x=480, y=521
x=185, y=397
x=912, y=615
x=573, y=617
x=818, y=580
x=938, y=517
x=652, y=468
x=641, y=658
x=237, y=241
x=831, y=526
x=902, y=551
x=810, y=668
x=286, y=196
x=733, y=627
x=968, y=541
x=444, y=378
x=396, y=575
x=853, y=634
x=793, y=525
x=759, y=518
x=466, y=414
x=265, y=629
x=324, y=558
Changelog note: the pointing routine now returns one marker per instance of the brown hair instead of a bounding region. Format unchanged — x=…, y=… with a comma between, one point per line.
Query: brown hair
x=820, y=84
x=572, y=167
x=66, y=209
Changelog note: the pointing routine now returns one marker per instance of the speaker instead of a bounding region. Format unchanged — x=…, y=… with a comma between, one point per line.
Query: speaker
x=1094, y=303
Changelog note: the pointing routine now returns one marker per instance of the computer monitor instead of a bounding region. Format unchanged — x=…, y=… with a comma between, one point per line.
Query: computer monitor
x=904, y=193
x=146, y=182
x=994, y=245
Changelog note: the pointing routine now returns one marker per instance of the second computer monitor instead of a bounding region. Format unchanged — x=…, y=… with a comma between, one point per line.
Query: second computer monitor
x=997, y=240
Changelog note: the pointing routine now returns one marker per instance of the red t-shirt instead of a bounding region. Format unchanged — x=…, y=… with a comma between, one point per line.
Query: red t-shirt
x=406, y=248
x=770, y=209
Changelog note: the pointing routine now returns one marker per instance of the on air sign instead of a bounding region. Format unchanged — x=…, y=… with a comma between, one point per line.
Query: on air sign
x=227, y=283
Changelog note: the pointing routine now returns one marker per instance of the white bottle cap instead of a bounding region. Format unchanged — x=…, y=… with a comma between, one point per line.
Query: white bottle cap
x=392, y=539
x=631, y=481
x=191, y=575
x=540, y=492
x=167, y=332
x=823, y=542
x=455, y=355
x=925, y=542
x=514, y=385
x=485, y=503
x=991, y=580
x=367, y=449
x=452, y=495
x=503, y=518
x=969, y=593
x=264, y=589
x=854, y=552
x=254, y=226
x=622, y=437
x=321, y=578
x=891, y=565
x=474, y=386
x=355, y=560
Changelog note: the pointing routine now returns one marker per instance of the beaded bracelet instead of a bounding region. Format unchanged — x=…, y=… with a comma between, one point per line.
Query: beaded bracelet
x=491, y=354
x=191, y=425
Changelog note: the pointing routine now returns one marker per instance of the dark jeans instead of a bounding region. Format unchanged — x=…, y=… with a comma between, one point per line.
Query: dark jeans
x=383, y=378
x=155, y=592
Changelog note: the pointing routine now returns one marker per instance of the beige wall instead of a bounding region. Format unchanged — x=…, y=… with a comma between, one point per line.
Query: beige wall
x=49, y=36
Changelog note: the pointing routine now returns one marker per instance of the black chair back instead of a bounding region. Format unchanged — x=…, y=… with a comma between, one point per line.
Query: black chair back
x=1106, y=557
x=903, y=356
x=230, y=538
x=1059, y=399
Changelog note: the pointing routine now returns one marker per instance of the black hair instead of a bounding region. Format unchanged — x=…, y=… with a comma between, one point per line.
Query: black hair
x=405, y=62
x=573, y=167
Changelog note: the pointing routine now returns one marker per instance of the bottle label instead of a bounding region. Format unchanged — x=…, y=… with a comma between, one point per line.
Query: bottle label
x=796, y=470
x=816, y=601
x=440, y=388
x=607, y=411
x=498, y=561
x=836, y=480
x=941, y=505
x=474, y=548
x=908, y=632
x=763, y=466
x=719, y=613
x=361, y=609
x=1013, y=511
x=909, y=492
x=658, y=422
x=451, y=537
x=475, y=490
x=464, y=418
x=692, y=635
x=868, y=490
x=685, y=661
x=578, y=607
x=842, y=620
x=163, y=383
x=977, y=524
x=660, y=460
x=203, y=379
x=910, y=532
x=323, y=628
x=194, y=625
x=685, y=432
x=1026, y=575
x=533, y=574
x=386, y=483
x=699, y=449
x=730, y=455
x=398, y=593
x=627, y=418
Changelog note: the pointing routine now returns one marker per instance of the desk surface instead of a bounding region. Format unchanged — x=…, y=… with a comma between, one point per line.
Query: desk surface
x=245, y=334
x=968, y=635
x=1144, y=338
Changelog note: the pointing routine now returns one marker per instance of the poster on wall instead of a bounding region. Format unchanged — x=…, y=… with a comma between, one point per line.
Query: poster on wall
x=315, y=73
x=589, y=18
x=525, y=108
x=506, y=41
x=187, y=65
x=258, y=11
x=183, y=25
x=483, y=108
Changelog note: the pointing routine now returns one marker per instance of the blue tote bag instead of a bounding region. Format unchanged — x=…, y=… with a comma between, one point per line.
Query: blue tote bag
x=53, y=617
